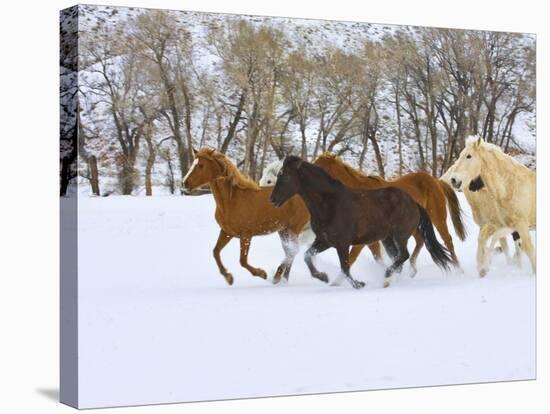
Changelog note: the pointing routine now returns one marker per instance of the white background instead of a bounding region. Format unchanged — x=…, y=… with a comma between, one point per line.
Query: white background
x=29, y=205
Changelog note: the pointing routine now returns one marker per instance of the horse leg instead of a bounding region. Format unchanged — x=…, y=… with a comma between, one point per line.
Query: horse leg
x=223, y=239
x=419, y=244
x=482, y=263
x=402, y=256
x=318, y=246
x=393, y=252
x=343, y=255
x=375, y=250
x=391, y=248
x=353, y=255
x=245, y=247
x=504, y=248
x=516, y=260
x=356, y=249
x=501, y=248
x=527, y=245
x=290, y=247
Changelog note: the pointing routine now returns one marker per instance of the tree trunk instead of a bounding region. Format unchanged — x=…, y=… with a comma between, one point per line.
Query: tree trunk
x=94, y=174
x=126, y=175
x=233, y=124
x=171, y=180
x=363, y=154
x=188, y=115
x=91, y=160
x=253, y=130
x=378, y=155
x=433, y=137
x=169, y=89
x=149, y=166
x=399, y=133
x=319, y=134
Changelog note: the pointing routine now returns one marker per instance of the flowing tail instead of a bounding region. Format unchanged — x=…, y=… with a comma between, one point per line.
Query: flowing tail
x=440, y=254
x=454, y=209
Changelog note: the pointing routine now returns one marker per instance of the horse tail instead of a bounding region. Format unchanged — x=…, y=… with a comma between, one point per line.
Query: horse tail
x=455, y=210
x=440, y=254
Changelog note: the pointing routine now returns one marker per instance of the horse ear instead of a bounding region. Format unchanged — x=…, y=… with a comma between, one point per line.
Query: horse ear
x=195, y=152
x=479, y=141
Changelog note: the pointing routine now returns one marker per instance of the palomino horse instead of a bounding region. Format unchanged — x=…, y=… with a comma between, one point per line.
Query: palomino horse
x=501, y=193
x=243, y=210
x=341, y=217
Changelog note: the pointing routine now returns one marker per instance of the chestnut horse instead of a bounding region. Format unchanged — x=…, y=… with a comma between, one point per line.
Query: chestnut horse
x=243, y=210
x=431, y=194
x=341, y=217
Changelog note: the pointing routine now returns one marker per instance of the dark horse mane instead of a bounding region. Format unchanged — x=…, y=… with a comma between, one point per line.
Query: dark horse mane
x=320, y=179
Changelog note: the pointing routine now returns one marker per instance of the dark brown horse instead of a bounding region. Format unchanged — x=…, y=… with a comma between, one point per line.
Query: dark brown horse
x=243, y=211
x=432, y=194
x=342, y=217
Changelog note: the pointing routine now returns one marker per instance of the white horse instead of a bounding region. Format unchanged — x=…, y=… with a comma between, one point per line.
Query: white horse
x=502, y=195
x=269, y=176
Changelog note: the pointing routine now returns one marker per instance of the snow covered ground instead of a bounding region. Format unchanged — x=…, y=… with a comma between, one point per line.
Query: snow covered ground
x=158, y=324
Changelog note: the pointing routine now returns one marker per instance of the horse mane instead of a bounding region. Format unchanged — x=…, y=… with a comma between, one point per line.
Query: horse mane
x=320, y=180
x=274, y=167
x=493, y=149
x=230, y=171
x=275, y=164
x=355, y=173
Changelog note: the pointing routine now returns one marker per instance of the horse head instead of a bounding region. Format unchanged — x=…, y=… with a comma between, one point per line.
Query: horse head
x=204, y=169
x=465, y=173
x=288, y=183
x=326, y=161
x=269, y=176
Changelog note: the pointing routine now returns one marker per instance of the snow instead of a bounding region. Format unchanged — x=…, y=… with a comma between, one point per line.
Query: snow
x=158, y=324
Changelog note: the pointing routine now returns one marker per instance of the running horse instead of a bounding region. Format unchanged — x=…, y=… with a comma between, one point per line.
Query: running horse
x=341, y=217
x=502, y=194
x=430, y=193
x=243, y=211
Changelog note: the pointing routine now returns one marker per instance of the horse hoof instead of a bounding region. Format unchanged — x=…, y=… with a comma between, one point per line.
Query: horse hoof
x=276, y=280
x=386, y=283
x=321, y=276
x=483, y=272
x=260, y=273
x=359, y=285
x=413, y=274
x=229, y=279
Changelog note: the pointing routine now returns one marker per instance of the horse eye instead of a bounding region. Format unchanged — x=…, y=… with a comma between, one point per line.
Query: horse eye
x=468, y=156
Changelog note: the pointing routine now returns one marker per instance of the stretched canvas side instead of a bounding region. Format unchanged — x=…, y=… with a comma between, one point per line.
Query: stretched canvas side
x=68, y=228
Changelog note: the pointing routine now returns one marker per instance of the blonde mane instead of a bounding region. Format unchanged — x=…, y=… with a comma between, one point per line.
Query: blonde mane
x=229, y=169
x=355, y=173
x=475, y=143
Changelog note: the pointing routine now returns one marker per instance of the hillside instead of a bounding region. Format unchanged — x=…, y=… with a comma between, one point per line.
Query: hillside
x=311, y=38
